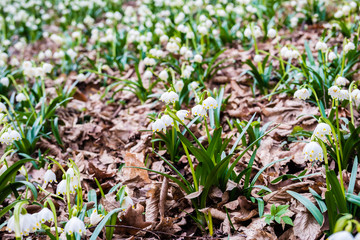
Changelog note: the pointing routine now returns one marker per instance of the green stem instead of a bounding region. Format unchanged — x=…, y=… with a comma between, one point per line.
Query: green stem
x=190, y=162
x=322, y=144
x=350, y=101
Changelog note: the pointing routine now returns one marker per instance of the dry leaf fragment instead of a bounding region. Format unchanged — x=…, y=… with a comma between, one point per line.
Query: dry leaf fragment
x=135, y=160
x=133, y=217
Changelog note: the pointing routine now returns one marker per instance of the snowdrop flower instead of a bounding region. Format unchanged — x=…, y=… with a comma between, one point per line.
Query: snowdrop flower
x=199, y=110
x=61, y=188
x=169, y=97
x=332, y=56
x=2, y=107
x=5, y=138
x=210, y=103
x=20, y=97
x=147, y=74
x=257, y=58
x=313, y=151
x=10, y=227
x=341, y=81
x=346, y=9
x=47, y=67
x=49, y=177
x=344, y=95
x=28, y=224
x=45, y=215
x=321, y=46
x=149, y=61
x=158, y=126
x=70, y=172
x=75, y=225
x=81, y=77
x=95, y=218
x=164, y=38
x=167, y=120
x=302, y=94
x=321, y=130
x=187, y=72
x=343, y=235
x=163, y=75
x=334, y=92
x=355, y=94
x=179, y=86
x=127, y=202
x=198, y=58
x=349, y=46
x=4, y=81
x=194, y=85
x=26, y=65
x=271, y=33
x=172, y=47
x=14, y=135
x=181, y=114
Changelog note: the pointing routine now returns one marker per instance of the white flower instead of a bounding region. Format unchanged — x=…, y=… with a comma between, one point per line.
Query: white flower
x=342, y=235
x=47, y=67
x=167, y=120
x=14, y=135
x=355, y=94
x=169, y=97
x=313, y=151
x=247, y=32
x=70, y=172
x=198, y=58
x=6, y=138
x=75, y=225
x=321, y=130
x=147, y=75
x=149, y=61
x=127, y=202
x=20, y=97
x=210, y=102
x=4, y=81
x=181, y=114
x=10, y=227
x=321, y=46
x=334, y=92
x=332, y=56
x=28, y=224
x=258, y=58
x=45, y=215
x=271, y=33
x=49, y=177
x=172, y=47
x=349, y=46
x=199, y=110
x=95, y=218
x=341, y=81
x=61, y=188
x=163, y=75
x=187, y=72
x=81, y=77
x=179, y=86
x=158, y=126
x=71, y=53
x=2, y=107
x=194, y=85
x=302, y=94
x=344, y=95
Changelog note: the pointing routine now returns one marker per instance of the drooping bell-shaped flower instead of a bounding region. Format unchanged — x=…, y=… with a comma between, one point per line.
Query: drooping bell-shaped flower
x=199, y=110
x=75, y=225
x=210, y=103
x=49, y=177
x=313, y=151
x=182, y=114
x=321, y=130
x=158, y=126
x=302, y=94
x=95, y=218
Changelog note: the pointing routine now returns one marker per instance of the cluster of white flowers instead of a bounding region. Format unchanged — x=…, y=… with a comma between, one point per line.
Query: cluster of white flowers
x=10, y=136
x=169, y=97
x=321, y=46
x=287, y=53
x=338, y=94
x=321, y=130
x=30, y=223
x=74, y=183
x=344, y=235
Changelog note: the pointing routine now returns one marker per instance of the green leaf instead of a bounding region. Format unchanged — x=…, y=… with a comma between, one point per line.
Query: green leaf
x=309, y=205
x=287, y=220
x=353, y=176
x=100, y=226
x=336, y=190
